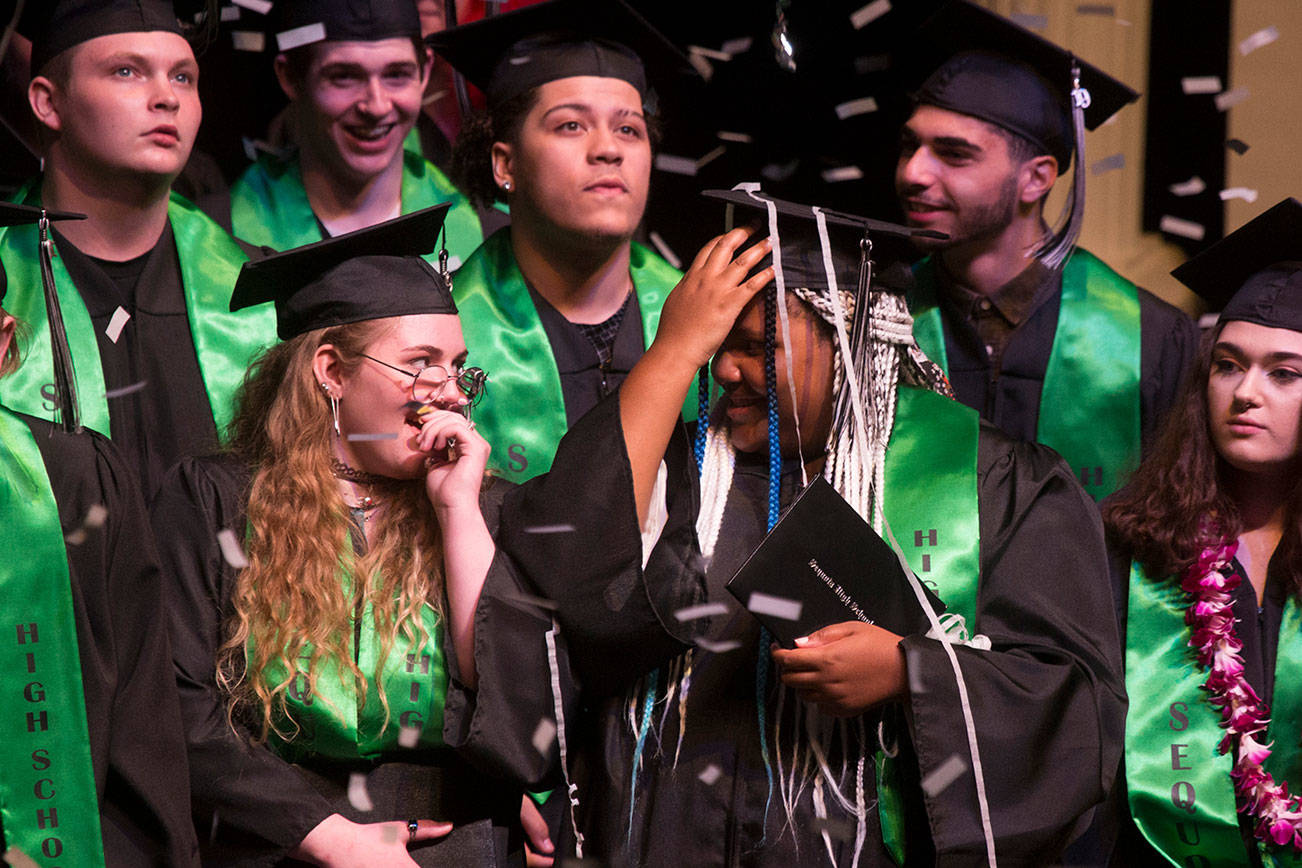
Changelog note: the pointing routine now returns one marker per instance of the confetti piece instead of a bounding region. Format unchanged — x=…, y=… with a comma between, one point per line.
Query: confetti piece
x=1029, y=21
x=705, y=610
x=1247, y=194
x=1191, y=84
x=1192, y=187
x=230, y=13
x=249, y=40
x=96, y=516
x=779, y=171
x=709, y=775
x=18, y=859
x=664, y=250
x=1107, y=164
x=1257, y=40
x=544, y=735
x=125, y=390
x=842, y=173
x=777, y=607
x=1184, y=228
x=943, y=775
x=675, y=164
x=233, y=552
x=701, y=65
x=550, y=528
x=117, y=323
x=709, y=52
x=1208, y=320
x=262, y=7
x=531, y=600
x=853, y=107
x=711, y=156
x=1103, y=9
x=299, y=36
x=743, y=138
x=734, y=47
x=1231, y=98
x=1239, y=146
x=722, y=647
x=409, y=736
x=212, y=830
x=866, y=15
x=358, y=797
x=434, y=97
x=388, y=436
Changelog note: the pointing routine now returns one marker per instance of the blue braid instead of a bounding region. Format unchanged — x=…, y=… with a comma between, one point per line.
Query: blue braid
x=702, y=417
x=775, y=486
x=648, y=706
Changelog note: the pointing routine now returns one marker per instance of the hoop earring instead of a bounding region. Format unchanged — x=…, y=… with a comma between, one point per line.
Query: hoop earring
x=334, y=407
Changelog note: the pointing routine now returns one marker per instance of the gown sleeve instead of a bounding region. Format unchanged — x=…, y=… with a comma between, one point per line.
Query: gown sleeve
x=1048, y=699
x=260, y=801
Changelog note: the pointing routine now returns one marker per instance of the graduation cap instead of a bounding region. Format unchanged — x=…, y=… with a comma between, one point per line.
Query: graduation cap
x=510, y=54
x=373, y=273
x=303, y=22
x=54, y=26
x=1254, y=274
x=1006, y=75
x=65, y=381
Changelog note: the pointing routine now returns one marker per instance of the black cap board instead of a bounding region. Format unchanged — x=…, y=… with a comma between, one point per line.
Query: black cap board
x=510, y=54
x=1254, y=274
x=303, y=22
x=1006, y=75
x=13, y=214
x=54, y=26
x=373, y=273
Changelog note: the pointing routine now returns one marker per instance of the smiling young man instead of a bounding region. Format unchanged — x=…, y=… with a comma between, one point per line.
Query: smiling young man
x=355, y=74
x=144, y=281
x=1038, y=335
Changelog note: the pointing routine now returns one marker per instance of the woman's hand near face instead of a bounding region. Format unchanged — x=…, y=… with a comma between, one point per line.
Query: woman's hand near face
x=337, y=842
x=455, y=473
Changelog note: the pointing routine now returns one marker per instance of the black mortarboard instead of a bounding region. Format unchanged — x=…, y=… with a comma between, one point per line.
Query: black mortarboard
x=373, y=273
x=303, y=22
x=54, y=26
x=510, y=54
x=1254, y=274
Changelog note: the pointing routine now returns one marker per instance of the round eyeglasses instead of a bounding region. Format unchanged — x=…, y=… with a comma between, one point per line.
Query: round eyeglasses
x=430, y=381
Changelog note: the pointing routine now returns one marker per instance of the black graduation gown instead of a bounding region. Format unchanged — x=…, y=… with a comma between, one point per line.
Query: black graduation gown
x=170, y=417
x=1048, y=704
x=137, y=746
x=1167, y=344
x=1258, y=629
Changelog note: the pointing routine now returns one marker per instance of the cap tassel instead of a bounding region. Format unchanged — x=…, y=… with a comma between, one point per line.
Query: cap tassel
x=65, y=382
x=1060, y=244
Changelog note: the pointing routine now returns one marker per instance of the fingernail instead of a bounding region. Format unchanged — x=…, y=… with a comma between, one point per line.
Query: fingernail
x=547, y=845
x=802, y=641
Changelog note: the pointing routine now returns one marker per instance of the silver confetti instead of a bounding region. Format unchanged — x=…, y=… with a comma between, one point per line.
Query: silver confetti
x=665, y=251
x=1192, y=187
x=1257, y=40
x=96, y=516
x=1231, y=98
x=550, y=528
x=117, y=323
x=544, y=735
x=709, y=775
x=842, y=173
x=125, y=390
x=862, y=106
x=1108, y=164
x=865, y=15
x=711, y=156
x=408, y=736
x=1247, y=194
x=705, y=610
x=675, y=164
x=300, y=36
x=1029, y=21
x=1192, y=84
x=386, y=436
x=780, y=171
x=230, y=13
x=1182, y=227
x=709, y=52
x=734, y=47
x=262, y=7
x=249, y=40
x=358, y=796
x=721, y=647
x=742, y=138
x=774, y=607
x=232, y=551
x=944, y=774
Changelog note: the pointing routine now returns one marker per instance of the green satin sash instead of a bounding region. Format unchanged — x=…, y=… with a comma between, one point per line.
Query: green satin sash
x=48, y=805
x=330, y=721
x=225, y=343
x=523, y=414
x=1179, y=788
x=932, y=506
x=269, y=205
x=1089, y=404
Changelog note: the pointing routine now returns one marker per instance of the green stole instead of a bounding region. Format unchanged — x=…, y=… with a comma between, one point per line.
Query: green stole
x=48, y=805
x=1178, y=786
x=1089, y=404
x=269, y=205
x=224, y=342
x=932, y=506
x=523, y=415
x=330, y=722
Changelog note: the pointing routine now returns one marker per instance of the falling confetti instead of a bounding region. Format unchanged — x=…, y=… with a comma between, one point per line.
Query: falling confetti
x=1029, y=21
x=1182, y=227
x=1192, y=187
x=358, y=796
x=675, y=165
x=409, y=736
x=709, y=775
x=232, y=551
x=665, y=251
x=125, y=390
x=300, y=36
x=943, y=775
x=1193, y=84
x=117, y=323
x=862, y=106
x=774, y=607
x=1108, y=164
x=1230, y=98
x=1260, y=39
x=550, y=528
x=705, y=610
x=544, y=735
x=742, y=138
x=866, y=15
x=1247, y=194
x=248, y=40
x=842, y=173
x=720, y=647
x=262, y=7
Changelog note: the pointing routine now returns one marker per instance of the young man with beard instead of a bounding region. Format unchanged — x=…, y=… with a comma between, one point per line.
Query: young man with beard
x=1042, y=338
x=144, y=282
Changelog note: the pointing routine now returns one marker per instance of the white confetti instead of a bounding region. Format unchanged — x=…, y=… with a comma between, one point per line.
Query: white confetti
x=1201, y=84
x=780, y=171
x=675, y=164
x=664, y=249
x=705, y=610
x=722, y=647
x=363, y=437
x=262, y=7
x=861, y=106
x=1257, y=40
x=117, y=323
x=550, y=528
x=1029, y=21
x=1231, y=98
x=544, y=735
x=299, y=36
x=358, y=797
x=126, y=390
x=865, y=15
x=233, y=552
x=943, y=775
x=230, y=13
x=18, y=859
x=734, y=47
x=842, y=173
x=1096, y=9
x=1192, y=187
x=96, y=516
x=409, y=736
x=709, y=52
x=743, y=138
x=709, y=775
x=430, y=99
x=249, y=40
x=1109, y=163
x=531, y=600
x=1208, y=320
x=711, y=156
x=1247, y=194
x=1182, y=227
x=777, y=607
x=701, y=65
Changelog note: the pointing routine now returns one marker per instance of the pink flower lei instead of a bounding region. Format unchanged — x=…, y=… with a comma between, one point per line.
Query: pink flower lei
x=1211, y=583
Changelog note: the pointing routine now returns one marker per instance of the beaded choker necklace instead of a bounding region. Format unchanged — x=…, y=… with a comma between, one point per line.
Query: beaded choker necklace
x=340, y=470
